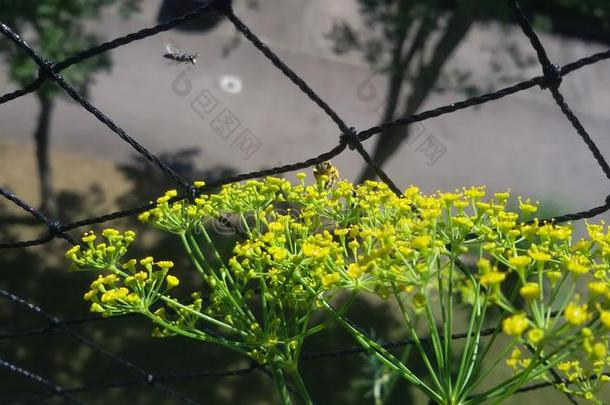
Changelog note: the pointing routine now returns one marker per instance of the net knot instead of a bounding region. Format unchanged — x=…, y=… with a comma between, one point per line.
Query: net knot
x=150, y=379
x=222, y=6
x=350, y=137
x=56, y=228
x=47, y=70
x=552, y=76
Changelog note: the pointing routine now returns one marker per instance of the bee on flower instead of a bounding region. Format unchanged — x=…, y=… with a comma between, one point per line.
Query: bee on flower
x=326, y=174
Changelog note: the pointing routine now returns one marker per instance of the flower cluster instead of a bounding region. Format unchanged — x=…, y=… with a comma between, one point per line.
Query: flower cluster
x=131, y=286
x=306, y=243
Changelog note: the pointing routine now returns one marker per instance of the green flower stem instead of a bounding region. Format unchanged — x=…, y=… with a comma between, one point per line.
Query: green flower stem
x=384, y=356
x=516, y=381
x=300, y=385
x=435, y=338
x=202, y=316
x=334, y=316
x=391, y=384
x=420, y=349
x=229, y=291
x=199, y=336
x=471, y=348
x=280, y=383
x=448, y=329
x=494, y=363
x=198, y=266
x=263, y=295
x=245, y=223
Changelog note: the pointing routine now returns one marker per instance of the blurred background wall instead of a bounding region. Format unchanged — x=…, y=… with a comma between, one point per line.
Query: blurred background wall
x=255, y=118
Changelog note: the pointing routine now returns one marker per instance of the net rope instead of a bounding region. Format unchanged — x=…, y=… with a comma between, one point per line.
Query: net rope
x=349, y=138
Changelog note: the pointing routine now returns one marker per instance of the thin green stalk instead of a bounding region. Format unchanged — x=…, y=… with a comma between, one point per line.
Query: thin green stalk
x=418, y=345
x=435, y=338
x=507, y=384
x=199, y=336
x=386, y=357
x=194, y=260
x=448, y=330
x=202, y=316
x=470, y=349
x=241, y=306
x=300, y=385
x=280, y=383
x=389, y=387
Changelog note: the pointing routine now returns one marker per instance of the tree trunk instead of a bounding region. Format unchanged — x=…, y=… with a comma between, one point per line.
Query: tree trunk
x=47, y=198
x=389, y=141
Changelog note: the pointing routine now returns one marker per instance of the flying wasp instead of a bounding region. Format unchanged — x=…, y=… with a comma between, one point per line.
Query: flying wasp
x=326, y=173
x=176, y=56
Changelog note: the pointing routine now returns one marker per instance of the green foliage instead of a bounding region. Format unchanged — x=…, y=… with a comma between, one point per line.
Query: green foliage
x=56, y=29
x=305, y=247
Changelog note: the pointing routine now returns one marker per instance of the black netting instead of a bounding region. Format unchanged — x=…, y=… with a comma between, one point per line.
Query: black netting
x=349, y=138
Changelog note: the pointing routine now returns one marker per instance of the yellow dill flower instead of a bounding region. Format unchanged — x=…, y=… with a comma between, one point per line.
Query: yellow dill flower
x=534, y=336
x=89, y=295
x=577, y=265
x=165, y=264
x=140, y=276
x=449, y=198
x=130, y=265
x=71, y=253
x=597, y=287
x=88, y=237
x=475, y=192
x=341, y=231
x=110, y=232
x=515, y=325
x=330, y=279
x=553, y=276
x=513, y=360
x=172, y=281
x=482, y=207
x=278, y=253
x=199, y=184
x=483, y=265
x=353, y=245
x=95, y=307
x=604, y=318
x=599, y=350
x=539, y=254
x=421, y=242
x=313, y=250
x=461, y=221
x=146, y=260
x=527, y=207
x=492, y=278
x=576, y=314
x=519, y=262
x=109, y=279
x=354, y=270
x=276, y=227
x=163, y=199
x=143, y=217
x=502, y=197
x=530, y=291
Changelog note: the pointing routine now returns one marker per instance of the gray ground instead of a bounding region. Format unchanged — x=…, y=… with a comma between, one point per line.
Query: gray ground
x=521, y=141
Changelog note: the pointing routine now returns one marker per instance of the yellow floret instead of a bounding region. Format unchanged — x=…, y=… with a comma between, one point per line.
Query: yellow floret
x=172, y=281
